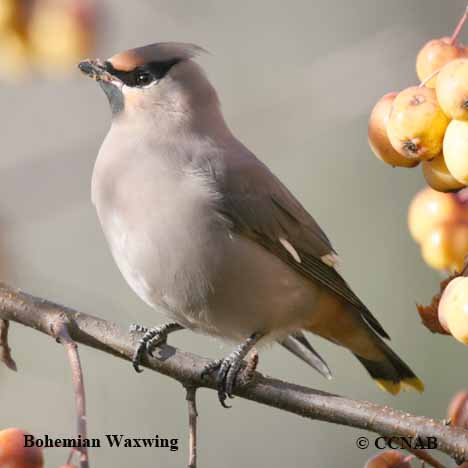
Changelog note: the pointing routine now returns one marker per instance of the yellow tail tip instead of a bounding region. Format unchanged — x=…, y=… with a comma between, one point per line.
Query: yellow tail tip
x=388, y=386
x=413, y=383
x=395, y=387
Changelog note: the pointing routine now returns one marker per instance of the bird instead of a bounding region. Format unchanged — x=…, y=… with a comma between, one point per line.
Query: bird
x=202, y=229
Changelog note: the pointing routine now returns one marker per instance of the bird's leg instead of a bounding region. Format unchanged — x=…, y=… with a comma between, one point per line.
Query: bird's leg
x=152, y=337
x=229, y=367
x=251, y=367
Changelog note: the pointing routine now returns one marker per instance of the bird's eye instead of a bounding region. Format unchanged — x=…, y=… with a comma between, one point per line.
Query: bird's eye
x=143, y=78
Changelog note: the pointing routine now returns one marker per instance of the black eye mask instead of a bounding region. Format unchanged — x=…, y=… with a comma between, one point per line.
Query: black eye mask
x=144, y=74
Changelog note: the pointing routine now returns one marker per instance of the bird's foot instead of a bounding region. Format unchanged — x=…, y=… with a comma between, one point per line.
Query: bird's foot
x=229, y=369
x=227, y=372
x=152, y=338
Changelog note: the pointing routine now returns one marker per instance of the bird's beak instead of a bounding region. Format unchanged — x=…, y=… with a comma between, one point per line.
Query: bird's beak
x=96, y=70
x=92, y=68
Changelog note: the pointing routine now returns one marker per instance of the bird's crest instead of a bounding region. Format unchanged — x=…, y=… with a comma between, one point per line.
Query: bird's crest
x=159, y=52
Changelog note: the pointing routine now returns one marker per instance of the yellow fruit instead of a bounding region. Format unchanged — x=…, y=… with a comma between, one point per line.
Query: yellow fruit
x=417, y=124
x=446, y=246
x=14, y=55
x=7, y=13
x=430, y=208
x=57, y=37
x=453, y=308
x=452, y=89
x=377, y=132
x=456, y=150
x=434, y=55
x=438, y=176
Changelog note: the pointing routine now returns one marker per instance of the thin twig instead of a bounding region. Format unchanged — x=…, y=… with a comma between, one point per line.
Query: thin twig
x=452, y=41
x=459, y=27
x=424, y=456
x=60, y=332
x=71, y=453
x=187, y=368
x=192, y=418
x=5, y=351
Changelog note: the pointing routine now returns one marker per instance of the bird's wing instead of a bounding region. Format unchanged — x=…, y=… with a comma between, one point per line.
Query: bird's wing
x=262, y=208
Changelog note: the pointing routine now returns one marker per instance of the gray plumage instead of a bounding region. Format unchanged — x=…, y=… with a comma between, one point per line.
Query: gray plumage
x=201, y=228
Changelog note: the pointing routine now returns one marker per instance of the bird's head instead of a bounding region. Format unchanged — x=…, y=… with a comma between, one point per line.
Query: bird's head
x=152, y=80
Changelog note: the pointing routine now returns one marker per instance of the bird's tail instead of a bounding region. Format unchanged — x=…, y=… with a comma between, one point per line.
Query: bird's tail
x=357, y=330
x=298, y=344
x=390, y=372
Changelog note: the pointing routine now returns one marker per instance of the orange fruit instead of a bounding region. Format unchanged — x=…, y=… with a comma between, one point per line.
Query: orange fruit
x=13, y=453
x=458, y=410
x=388, y=459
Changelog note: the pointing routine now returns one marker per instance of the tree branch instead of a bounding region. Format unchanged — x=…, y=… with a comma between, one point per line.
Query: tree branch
x=60, y=331
x=5, y=351
x=193, y=415
x=186, y=368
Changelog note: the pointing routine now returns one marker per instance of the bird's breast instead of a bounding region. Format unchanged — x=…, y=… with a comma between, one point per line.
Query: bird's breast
x=162, y=227
x=159, y=212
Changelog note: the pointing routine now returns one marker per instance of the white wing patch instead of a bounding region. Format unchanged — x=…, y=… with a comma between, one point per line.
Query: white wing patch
x=331, y=259
x=292, y=251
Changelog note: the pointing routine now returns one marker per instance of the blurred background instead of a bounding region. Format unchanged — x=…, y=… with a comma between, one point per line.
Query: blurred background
x=297, y=81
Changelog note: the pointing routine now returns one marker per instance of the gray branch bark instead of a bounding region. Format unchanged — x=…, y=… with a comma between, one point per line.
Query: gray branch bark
x=186, y=368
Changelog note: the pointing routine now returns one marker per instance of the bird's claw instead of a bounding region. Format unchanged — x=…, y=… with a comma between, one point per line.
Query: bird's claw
x=151, y=339
x=229, y=368
x=228, y=372
x=210, y=367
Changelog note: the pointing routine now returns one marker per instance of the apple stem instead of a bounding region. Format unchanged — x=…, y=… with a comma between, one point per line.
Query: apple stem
x=459, y=27
x=423, y=82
